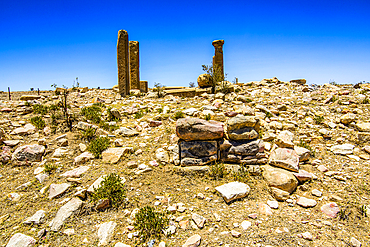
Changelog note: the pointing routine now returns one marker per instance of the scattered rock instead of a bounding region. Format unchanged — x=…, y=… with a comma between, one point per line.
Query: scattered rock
x=280, y=178
x=36, y=219
x=193, y=241
x=285, y=158
x=64, y=213
x=305, y=202
x=21, y=240
x=32, y=152
x=105, y=232
x=233, y=191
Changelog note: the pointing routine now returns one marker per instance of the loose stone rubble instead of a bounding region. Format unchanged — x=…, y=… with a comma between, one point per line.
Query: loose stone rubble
x=268, y=163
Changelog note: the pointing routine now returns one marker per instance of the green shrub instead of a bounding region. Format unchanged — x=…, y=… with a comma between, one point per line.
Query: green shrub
x=112, y=189
x=217, y=171
x=89, y=134
x=106, y=126
x=178, y=114
x=159, y=88
x=150, y=224
x=139, y=114
x=110, y=116
x=242, y=175
x=38, y=122
x=98, y=145
x=49, y=168
x=207, y=117
x=366, y=101
x=92, y=113
x=269, y=114
x=40, y=109
x=160, y=110
x=318, y=119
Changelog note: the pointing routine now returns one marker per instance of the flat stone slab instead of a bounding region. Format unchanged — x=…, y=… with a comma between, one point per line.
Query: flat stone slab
x=30, y=97
x=306, y=203
x=57, y=189
x=123, y=131
x=25, y=130
x=21, y=240
x=193, y=241
x=331, y=209
x=105, y=232
x=64, y=213
x=113, y=155
x=285, y=158
x=11, y=143
x=75, y=173
x=196, y=129
x=233, y=191
x=37, y=218
x=343, y=149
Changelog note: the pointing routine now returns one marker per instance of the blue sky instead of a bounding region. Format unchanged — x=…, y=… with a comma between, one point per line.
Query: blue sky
x=46, y=42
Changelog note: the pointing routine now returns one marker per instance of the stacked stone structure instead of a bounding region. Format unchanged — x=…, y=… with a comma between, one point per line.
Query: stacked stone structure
x=202, y=142
x=242, y=146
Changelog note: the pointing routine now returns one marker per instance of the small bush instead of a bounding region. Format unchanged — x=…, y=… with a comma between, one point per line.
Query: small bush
x=207, y=117
x=106, y=126
x=160, y=89
x=242, y=175
x=366, y=101
x=89, y=134
x=139, y=114
x=49, y=168
x=150, y=224
x=40, y=109
x=217, y=171
x=160, y=110
x=38, y=122
x=269, y=114
x=98, y=145
x=92, y=113
x=110, y=116
x=112, y=189
x=178, y=114
x=318, y=119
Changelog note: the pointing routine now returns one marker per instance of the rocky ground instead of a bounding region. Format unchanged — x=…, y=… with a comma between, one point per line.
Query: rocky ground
x=319, y=195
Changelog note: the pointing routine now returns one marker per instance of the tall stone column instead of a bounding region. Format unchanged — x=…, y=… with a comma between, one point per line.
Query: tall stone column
x=134, y=65
x=218, y=60
x=123, y=63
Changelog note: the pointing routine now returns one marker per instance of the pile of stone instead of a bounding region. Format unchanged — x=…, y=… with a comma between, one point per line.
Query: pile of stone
x=199, y=141
x=283, y=173
x=202, y=142
x=243, y=145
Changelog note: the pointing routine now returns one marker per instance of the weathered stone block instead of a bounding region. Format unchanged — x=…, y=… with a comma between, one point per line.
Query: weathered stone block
x=194, y=149
x=194, y=129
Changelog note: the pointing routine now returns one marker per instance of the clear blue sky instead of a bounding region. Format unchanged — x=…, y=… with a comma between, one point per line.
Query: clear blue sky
x=46, y=42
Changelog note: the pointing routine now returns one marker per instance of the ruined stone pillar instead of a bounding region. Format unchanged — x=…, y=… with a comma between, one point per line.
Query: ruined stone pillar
x=218, y=60
x=123, y=63
x=144, y=86
x=134, y=65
